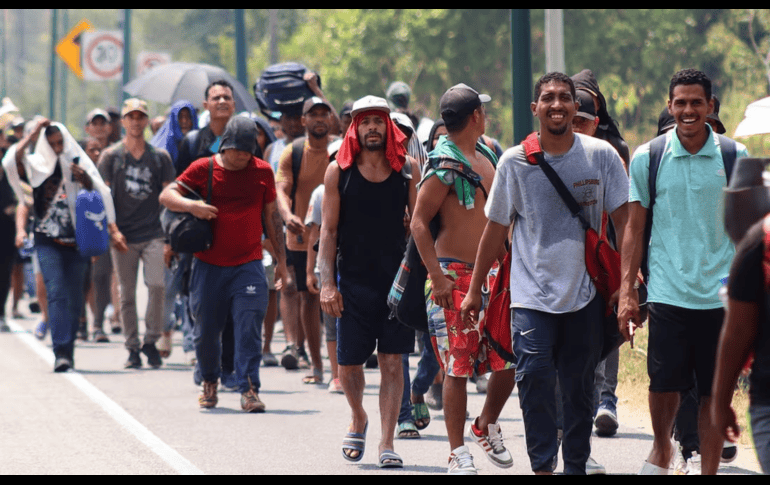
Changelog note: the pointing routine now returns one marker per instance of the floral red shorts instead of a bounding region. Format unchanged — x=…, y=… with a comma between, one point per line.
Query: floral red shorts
x=459, y=350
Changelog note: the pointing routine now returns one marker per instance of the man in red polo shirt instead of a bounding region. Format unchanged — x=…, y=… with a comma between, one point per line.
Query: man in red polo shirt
x=229, y=276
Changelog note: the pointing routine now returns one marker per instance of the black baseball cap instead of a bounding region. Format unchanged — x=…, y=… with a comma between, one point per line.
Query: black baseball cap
x=586, y=107
x=458, y=102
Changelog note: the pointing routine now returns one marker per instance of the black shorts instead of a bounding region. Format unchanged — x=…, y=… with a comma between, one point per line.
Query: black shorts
x=298, y=260
x=682, y=348
x=364, y=325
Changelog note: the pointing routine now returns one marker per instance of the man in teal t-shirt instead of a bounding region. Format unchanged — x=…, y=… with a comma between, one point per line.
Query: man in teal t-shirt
x=689, y=253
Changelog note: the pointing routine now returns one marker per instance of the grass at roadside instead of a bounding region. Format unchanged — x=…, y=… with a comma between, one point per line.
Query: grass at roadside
x=633, y=383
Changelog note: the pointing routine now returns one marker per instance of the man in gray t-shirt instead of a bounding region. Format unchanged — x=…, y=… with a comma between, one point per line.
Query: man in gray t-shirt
x=137, y=173
x=557, y=315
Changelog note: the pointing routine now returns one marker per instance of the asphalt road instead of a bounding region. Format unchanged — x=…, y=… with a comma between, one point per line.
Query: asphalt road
x=102, y=419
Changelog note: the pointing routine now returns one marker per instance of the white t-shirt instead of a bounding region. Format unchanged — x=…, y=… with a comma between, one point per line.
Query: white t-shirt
x=548, y=271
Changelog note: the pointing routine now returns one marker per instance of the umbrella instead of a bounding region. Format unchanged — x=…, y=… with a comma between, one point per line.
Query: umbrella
x=168, y=83
x=756, y=121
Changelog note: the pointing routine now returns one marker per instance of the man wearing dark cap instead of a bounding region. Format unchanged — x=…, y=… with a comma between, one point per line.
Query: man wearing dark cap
x=449, y=260
x=607, y=129
x=243, y=191
x=295, y=185
x=585, y=120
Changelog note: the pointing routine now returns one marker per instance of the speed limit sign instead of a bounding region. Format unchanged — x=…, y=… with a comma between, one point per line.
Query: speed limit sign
x=102, y=55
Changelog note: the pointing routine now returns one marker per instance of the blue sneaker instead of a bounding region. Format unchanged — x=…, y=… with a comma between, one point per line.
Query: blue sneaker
x=606, y=420
x=41, y=330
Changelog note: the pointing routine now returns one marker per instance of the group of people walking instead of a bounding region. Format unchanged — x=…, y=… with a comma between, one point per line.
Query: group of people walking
x=321, y=215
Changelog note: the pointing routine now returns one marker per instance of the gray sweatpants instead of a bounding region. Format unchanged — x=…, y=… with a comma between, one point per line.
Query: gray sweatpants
x=126, y=266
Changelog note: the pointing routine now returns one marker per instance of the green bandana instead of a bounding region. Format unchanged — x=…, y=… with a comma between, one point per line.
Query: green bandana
x=466, y=193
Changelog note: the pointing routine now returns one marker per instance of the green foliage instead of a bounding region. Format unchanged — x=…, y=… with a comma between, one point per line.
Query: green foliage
x=633, y=54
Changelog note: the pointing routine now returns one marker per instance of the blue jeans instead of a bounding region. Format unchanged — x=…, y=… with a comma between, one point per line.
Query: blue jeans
x=171, y=311
x=241, y=292
x=427, y=368
x=568, y=344
x=64, y=273
x=760, y=429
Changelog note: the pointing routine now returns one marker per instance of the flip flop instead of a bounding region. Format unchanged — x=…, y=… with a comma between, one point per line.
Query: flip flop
x=317, y=377
x=354, y=442
x=390, y=459
x=407, y=431
x=421, y=415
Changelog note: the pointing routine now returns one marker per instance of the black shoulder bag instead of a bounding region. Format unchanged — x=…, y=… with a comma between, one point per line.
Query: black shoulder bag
x=185, y=232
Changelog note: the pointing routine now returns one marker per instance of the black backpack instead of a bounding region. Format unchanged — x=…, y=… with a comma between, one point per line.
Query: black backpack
x=657, y=146
x=281, y=87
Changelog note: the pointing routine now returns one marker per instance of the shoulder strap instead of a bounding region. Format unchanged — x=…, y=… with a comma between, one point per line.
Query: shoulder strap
x=464, y=171
x=657, y=147
x=535, y=156
x=297, y=149
x=729, y=152
x=209, y=183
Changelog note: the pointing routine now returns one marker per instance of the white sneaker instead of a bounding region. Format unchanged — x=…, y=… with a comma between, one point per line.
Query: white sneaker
x=492, y=444
x=694, y=464
x=594, y=468
x=461, y=462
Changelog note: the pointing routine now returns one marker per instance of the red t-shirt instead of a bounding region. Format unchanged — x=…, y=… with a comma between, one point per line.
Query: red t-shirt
x=240, y=196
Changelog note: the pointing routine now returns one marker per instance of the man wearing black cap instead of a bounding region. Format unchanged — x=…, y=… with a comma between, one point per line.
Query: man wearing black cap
x=449, y=260
x=295, y=184
x=243, y=190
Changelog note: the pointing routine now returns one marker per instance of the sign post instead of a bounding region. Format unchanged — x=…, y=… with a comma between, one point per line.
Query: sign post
x=69, y=47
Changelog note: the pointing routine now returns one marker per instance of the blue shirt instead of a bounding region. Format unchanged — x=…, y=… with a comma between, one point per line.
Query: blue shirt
x=690, y=251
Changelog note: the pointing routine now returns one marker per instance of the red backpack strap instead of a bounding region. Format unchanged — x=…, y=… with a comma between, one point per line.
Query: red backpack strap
x=766, y=257
x=532, y=147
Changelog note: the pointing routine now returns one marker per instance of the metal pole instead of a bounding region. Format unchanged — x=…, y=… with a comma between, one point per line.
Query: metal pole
x=554, y=40
x=126, y=52
x=63, y=95
x=4, y=40
x=52, y=74
x=240, y=47
x=522, y=74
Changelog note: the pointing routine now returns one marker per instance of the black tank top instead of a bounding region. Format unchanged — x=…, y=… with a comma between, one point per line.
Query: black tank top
x=372, y=237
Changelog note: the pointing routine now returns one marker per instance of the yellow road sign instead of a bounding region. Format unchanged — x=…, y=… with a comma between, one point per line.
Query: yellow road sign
x=69, y=50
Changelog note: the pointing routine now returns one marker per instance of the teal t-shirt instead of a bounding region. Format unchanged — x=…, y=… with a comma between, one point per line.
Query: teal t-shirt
x=690, y=251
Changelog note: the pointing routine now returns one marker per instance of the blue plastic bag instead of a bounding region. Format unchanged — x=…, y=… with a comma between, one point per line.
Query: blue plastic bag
x=91, y=224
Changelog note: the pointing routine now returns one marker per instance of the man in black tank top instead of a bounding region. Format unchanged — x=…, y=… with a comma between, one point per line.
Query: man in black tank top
x=365, y=197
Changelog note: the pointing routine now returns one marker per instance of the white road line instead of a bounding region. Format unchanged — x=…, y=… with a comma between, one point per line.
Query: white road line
x=179, y=463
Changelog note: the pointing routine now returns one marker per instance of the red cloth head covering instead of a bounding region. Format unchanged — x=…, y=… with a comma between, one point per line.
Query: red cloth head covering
x=395, y=151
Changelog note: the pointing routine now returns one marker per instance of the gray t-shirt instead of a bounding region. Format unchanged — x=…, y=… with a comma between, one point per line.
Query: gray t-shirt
x=548, y=271
x=136, y=186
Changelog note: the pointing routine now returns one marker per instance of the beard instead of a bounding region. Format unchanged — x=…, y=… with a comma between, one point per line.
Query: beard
x=319, y=134
x=373, y=145
x=558, y=131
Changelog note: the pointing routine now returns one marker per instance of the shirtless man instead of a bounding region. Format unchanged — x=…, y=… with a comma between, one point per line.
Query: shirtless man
x=449, y=260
